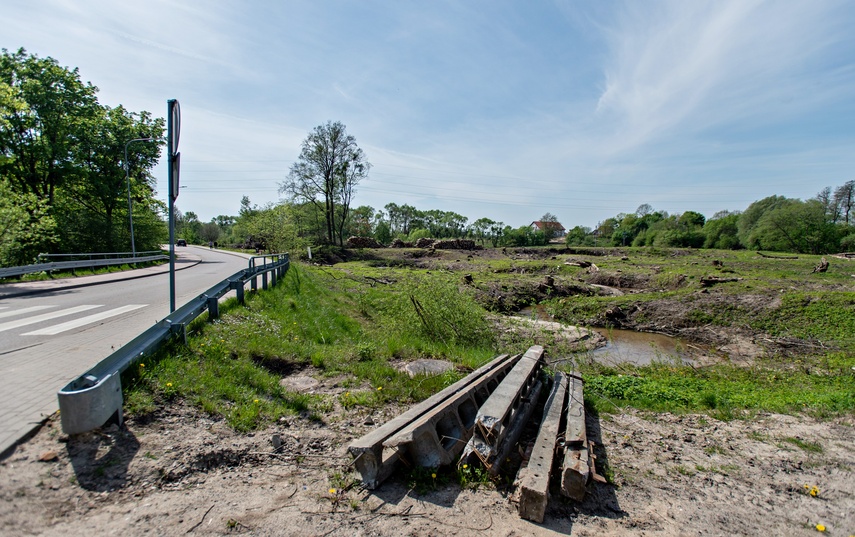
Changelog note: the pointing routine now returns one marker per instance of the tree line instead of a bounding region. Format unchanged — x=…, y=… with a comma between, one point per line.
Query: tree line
x=63, y=189
x=823, y=224
x=63, y=186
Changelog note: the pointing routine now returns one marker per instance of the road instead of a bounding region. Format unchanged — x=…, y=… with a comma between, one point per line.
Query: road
x=51, y=332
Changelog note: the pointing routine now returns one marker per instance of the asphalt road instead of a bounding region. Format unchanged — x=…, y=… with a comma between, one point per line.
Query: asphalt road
x=51, y=332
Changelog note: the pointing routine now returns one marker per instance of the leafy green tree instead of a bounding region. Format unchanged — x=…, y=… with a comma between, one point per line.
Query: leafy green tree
x=25, y=226
x=579, y=236
x=750, y=218
x=722, y=232
x=275, y=226
x=796, y=226
x=361, y=221
x=93, y=203
x=326, y=173
x=209, y=232
x=52, y=111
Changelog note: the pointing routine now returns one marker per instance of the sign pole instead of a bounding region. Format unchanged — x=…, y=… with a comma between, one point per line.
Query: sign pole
x=173, y=132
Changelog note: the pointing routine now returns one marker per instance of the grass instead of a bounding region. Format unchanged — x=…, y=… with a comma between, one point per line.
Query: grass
x=313, y=321
x=359, y=321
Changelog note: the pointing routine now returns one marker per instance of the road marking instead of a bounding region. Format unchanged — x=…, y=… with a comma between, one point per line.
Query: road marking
x=56, y=329
x=45, y=317
x=23, y=311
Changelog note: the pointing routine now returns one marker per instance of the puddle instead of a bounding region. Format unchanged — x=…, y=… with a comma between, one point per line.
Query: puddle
x=628, y=346
x=640, y=348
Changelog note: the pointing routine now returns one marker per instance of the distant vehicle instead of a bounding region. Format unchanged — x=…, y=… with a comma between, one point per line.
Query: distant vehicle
x=180, y=242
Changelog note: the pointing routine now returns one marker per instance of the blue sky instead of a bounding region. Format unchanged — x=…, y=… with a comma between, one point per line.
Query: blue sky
x=498, y=109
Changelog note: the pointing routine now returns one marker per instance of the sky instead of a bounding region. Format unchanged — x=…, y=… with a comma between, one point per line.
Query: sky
x=498, y=109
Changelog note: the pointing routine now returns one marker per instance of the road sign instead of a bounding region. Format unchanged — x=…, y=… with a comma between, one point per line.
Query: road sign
x=176, y=168
x=176, y=125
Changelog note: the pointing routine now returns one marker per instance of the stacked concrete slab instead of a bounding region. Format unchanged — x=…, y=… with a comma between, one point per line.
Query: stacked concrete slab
x=503, y=416
x=376, y=461
x=479, y=420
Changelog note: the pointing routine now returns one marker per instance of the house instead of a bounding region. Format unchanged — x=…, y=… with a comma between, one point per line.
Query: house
x=551, y=229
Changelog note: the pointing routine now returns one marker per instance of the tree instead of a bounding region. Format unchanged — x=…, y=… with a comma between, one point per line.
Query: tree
x=844, y=197
x=579, y=236
x=550, y=225
x=721, y=231
x=328, y=169
x=51, y=109
x=92, y=207
x=209, y=232
x=24, y=226
x=749, y=220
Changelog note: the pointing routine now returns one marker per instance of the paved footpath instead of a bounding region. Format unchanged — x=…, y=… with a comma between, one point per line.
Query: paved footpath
x=36, y=371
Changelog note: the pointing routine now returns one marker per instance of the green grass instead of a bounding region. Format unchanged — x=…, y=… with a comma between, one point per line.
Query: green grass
x=825, y=385
x=232, y=367
x=358, y=322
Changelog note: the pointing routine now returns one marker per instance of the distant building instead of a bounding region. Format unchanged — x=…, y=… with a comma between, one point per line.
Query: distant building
x=553, y=229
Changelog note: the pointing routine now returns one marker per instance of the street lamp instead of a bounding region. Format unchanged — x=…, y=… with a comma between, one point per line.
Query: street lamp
x=128, y=179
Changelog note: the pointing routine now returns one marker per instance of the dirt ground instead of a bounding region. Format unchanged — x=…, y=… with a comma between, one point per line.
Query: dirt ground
x=184, y=473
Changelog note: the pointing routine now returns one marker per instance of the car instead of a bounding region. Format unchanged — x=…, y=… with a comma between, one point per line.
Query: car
x=180, y=242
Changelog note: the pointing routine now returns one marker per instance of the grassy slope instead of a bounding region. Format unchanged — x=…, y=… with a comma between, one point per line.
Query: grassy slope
x=357, y=321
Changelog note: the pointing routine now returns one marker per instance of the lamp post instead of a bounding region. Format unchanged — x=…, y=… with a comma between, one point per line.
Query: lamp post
x=128, y=180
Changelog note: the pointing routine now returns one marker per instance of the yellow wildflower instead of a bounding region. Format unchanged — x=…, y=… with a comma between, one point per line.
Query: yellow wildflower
x=379, y=388
x=168, y=384
x=465, y=466
x=256, y=400
x=433, y=476
x=142, y=365
x=820, y=527
x=332, y=491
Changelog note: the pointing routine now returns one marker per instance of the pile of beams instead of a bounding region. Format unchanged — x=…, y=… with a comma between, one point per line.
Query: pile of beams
x=479, y=420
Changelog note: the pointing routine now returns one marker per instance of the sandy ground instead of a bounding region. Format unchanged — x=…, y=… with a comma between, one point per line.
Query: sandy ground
x=184, y=473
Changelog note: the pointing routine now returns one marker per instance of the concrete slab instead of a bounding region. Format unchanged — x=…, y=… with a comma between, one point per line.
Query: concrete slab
x=533, y=479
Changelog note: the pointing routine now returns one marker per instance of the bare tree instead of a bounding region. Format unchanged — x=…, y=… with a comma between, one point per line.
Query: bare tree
x=844, y=196
x=328, y=169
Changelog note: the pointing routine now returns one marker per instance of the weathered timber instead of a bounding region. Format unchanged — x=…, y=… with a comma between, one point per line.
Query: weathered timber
x=822, y=267
x=767, y=256
x=576, y=468
x=438, y=437
x=533, y=479
x=499, y=411
x=376, y=464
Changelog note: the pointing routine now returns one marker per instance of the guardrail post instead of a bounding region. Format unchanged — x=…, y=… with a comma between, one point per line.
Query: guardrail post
x=238, y=287
x=273, y=278
x=253, y=286
x=213, y=308
x=264, y=281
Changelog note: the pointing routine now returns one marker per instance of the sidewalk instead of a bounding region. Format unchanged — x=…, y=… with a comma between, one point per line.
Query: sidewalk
x=16, y=289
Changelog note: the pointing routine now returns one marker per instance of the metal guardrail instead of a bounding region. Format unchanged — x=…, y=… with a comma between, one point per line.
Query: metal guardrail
x=89, y=263
x=95, y=397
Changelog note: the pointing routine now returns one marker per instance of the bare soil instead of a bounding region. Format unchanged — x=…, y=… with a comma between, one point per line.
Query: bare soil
x=185, y=473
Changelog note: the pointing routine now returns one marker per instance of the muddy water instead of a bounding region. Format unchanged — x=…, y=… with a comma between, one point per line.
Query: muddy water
x=640, y=348
x=628, y=346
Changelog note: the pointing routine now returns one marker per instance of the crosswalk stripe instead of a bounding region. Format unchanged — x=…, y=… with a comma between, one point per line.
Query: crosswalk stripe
x=46, y=317
x=23, y=311
x=56, y=329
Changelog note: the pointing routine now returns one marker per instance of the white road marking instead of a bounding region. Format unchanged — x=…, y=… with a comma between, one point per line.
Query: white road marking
x=23, y=311
x=45, y=317
x=56, y=329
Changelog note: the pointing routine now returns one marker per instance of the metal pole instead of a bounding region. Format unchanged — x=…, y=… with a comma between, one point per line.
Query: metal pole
x=169, y=154
x=128, y=180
